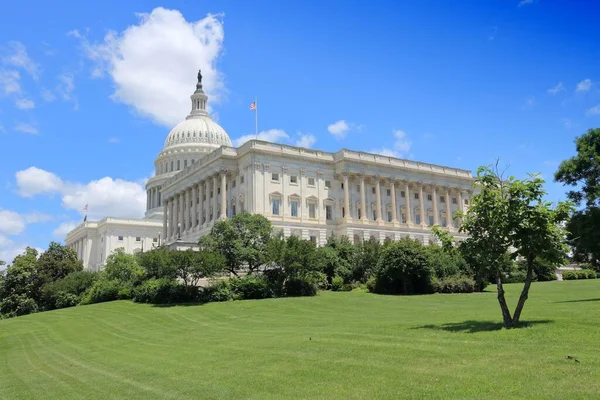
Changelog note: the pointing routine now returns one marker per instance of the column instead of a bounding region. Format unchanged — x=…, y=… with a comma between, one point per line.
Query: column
x=215, y=211
x=171, y=217
x=448, y=210
x=185, y=225
x=223, y=195
x=147, y=199
x=436, y=214
x=175, y=217
x=363, y=200
x=422, y=206
x=460, y=207
x=348, y=215
x=194, y=206
x=159, y=195
x=407, y=205
x=393, y=193
x=165, y=209
x=378, y=197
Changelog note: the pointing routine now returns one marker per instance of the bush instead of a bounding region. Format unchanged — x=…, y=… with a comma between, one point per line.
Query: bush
x=337, y=283
x=75, y=284
x=579, y=274
x=101, y=291
x=64, y=300
x=590, y=274
x=515, y=276
x=250, y=287
x=302, y=286
x=162, y=291
x=445, y=264
x=454, y=284
x=570, y=275
x=370, y=284
x=404, y=269
x=218, y=291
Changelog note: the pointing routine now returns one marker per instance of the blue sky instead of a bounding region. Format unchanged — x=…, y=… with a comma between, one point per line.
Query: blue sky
x=89, y=93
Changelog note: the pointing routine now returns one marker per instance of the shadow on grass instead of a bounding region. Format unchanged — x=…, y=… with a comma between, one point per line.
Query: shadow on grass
x=479, y=326
x=191, y=304
x=577, y=301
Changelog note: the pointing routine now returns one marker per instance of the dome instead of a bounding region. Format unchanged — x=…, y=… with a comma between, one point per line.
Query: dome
x=198, y=127
x=200, y=130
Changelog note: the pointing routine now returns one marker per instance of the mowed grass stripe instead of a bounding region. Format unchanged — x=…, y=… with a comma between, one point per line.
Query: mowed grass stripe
x=361, y=346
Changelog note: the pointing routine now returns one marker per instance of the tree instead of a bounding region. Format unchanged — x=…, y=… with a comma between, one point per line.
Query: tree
x=510, y=215
x=157, y=263
x=123, y=267
x=345, y=252
x=191, y=266
x=56, y=263
x=241, y=240
x=18, y=287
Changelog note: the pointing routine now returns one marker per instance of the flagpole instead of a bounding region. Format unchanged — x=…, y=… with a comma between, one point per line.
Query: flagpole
x=256, y=117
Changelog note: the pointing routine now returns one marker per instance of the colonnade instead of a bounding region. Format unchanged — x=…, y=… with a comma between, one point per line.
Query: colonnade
x=153, y=198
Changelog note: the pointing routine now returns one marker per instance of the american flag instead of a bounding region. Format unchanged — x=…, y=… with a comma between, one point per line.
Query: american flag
x=85, y=208
x=253, y=105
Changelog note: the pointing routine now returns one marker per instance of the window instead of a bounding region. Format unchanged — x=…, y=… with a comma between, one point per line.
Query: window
x=138, y=239
x=431, y=220
x=219, y=190
x=193, y=161
x=178, y=165
x=343, y=212
x=120, y=238
x=327, y=184
x=403, y=194
x=454, y=201
x=242, y=205
x=275, y=206
x=294, y=207
x=294, y=179
x=233, y=183
x=443, y=220
x=154, y=240
x=359, y=214
x=241, y=180
x=275, y=177
x=418, y=219
x=428, y=197
x=357, y=188
x=467, y=201
x=374, y=215
x=373, y=189
x=328, y=212
x=403, y=218
x=233, y=209
x=389, y=215
x=342, y=185
x=171, y=166
x=389, y=192
x=311, y=181
x=313, y=239
x=312, y=210
x=416, y=196
x=184, y=163
x=204, y=196
x=442, y=199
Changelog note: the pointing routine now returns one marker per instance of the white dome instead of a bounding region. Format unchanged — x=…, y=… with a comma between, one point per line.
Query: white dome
x=200, y=129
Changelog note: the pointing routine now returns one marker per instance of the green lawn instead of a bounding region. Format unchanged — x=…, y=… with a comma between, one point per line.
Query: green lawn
x=336, y=345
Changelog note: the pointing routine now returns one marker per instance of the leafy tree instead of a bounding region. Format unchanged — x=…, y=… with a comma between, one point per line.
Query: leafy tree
x=18, y=287
x=123, y=267
x=242, y=240
x=191, y=266
x=56, y=263
x=67, y=291
x=583, y=235
x=511, y=215
x=345, y=253
x=157, y=263
x=366, y=257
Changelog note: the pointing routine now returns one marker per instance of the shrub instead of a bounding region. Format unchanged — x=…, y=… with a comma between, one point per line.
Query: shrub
x=302, y=286
x=590, y=274
x=101, y=291
x=64, y=300
x=76, y=283
x=444, y=263
x=570, y=275
x=454, y=284
x=515, y=276
x=370, y=284
x=403, y=269
x=218, y=291
x=250, y=287
x=337, y=283
x=162, y=291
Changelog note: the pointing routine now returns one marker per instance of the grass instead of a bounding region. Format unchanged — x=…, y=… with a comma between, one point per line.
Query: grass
x=336, y=345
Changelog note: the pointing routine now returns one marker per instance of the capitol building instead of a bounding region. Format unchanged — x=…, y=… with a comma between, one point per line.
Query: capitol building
x=201, y=178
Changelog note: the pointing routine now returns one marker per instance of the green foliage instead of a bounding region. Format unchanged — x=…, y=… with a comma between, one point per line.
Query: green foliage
x=163, y=291
x=62, y=291
x=445, y=263
x=191, y=266
x=242, y=240
x=123, y=268
x=56, y=263
x=250, y=287
x=216, y=292
x=340, y=261
x=454, y=284
x=337, y=284
x=403, y=269
x=579, y=274
x=157, y=263
x=366, y=257
x=102, y=290
x=307, y=285
x=543, y=270
x=19, y=286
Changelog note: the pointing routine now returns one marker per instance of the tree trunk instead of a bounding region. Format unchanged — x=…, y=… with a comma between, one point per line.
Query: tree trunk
x=502, y=300
x=524, y=292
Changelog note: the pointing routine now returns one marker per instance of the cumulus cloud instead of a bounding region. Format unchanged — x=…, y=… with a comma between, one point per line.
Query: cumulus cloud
x=400, y=148
x=37, y=217
x=153, y=64
x=593, y=111
x=61, y=231
x=339, y=129
x=556, y=89
x=26, y=128
x=526, y=2
x=271, y=135
x=18, y=57
x=584, y=86
x=11, y=223
x=24, y=104
x=10, y=81
x=104, y=197
x=48, y=96
x=306, y=140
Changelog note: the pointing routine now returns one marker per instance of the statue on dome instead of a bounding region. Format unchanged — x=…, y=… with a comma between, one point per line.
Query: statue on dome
x=199, y=76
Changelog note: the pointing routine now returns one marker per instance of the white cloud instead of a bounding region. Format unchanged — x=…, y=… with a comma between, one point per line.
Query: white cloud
x=37, y=217
x=556, y=89
x=24, y=104
x=401, y=146
x=339, y=129
x=66, y=85
x=19, y=58
x=48, y=96
x=61, y=231
x=306, y=140
x=114, y=140
x=105, y=196
x=26, y=128
x=9, y=81
x=584, y=85
x=525, y=2
x=593, y=111
x=11, y=223
x=271, y=135
x=9, y=250
x=153, y=64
